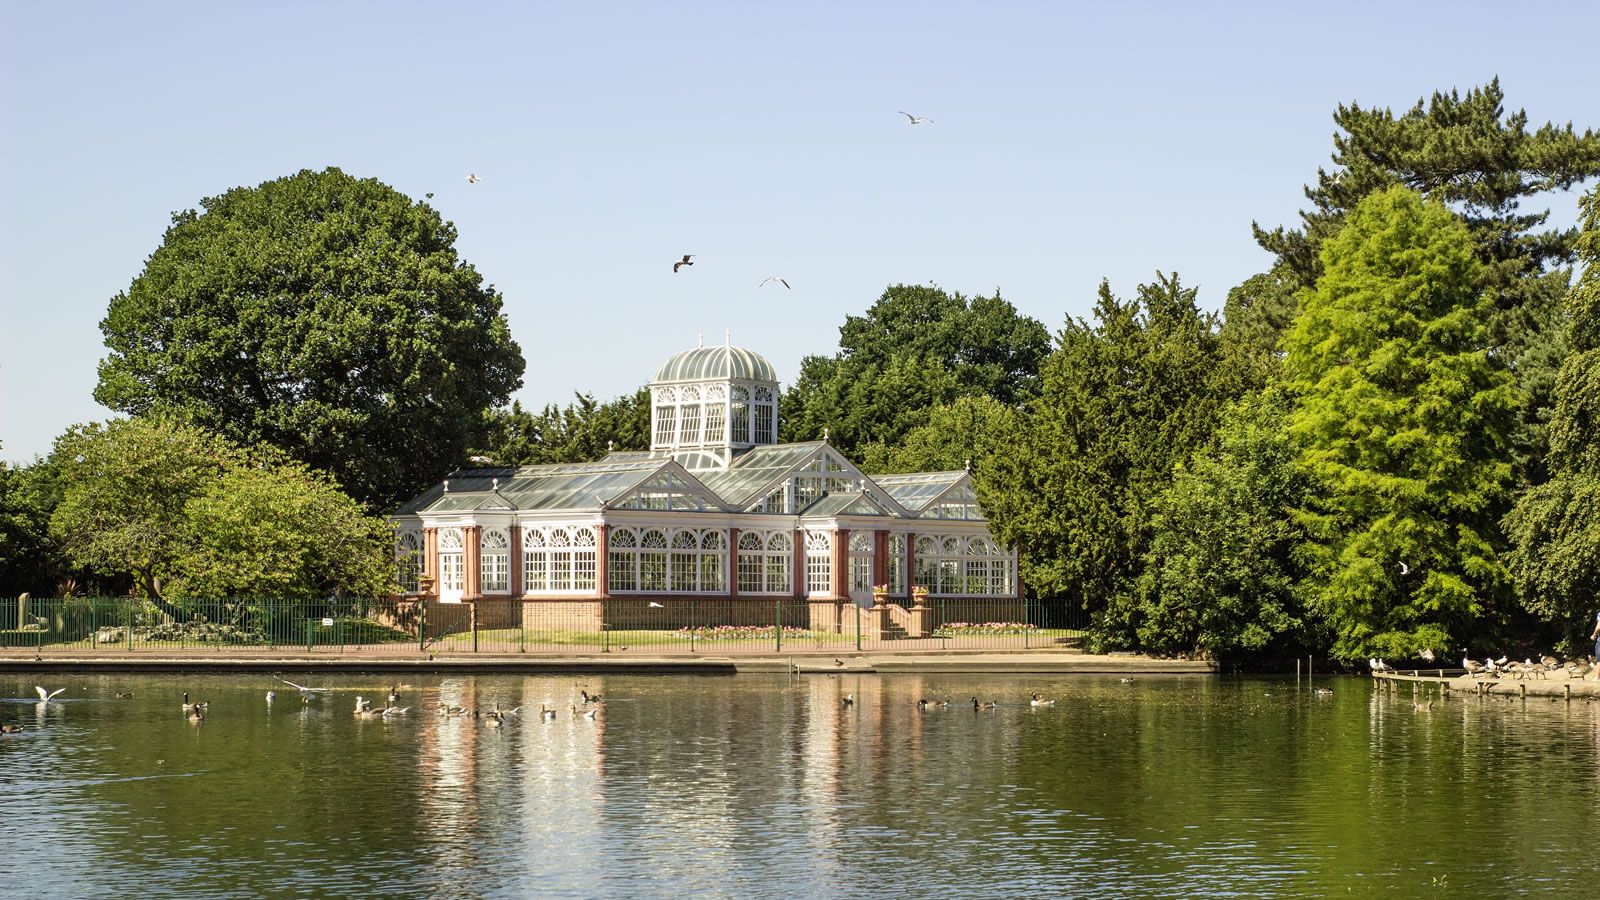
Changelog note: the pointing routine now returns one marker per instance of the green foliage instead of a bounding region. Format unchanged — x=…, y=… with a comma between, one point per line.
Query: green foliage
x=917, y=347
x=1556, y=526
x=1467, y=152
x=282, y=531
x=184, y=513
x=25, y=548
x=1220, y=577
x=972, y=429
x=1404, y=421
x=321, y=314
x=1124, y=400
x=581, y=431
x=1259, y=312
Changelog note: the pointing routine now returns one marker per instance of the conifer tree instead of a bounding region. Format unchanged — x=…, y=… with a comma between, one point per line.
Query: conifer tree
x=1404, y=421
x=1466, y=151
x=1556, y=526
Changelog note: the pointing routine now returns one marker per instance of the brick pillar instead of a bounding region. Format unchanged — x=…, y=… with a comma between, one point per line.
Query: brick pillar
x=430, y=557
x=841, y=563
x=602, y=561
x=733, y=563
x=800, y=564
x=516, y=561
x=880, y=557
x=471, y=563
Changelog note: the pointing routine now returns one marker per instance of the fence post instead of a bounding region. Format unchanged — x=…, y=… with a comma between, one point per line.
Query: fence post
x=691, y=625
x=777, y=632
x=128, y=604
x=1027, y=621
x=605, y=625
x=422, y=623
x=858, y=626
x=474, y=618
x=311, y=632
x=944, y=620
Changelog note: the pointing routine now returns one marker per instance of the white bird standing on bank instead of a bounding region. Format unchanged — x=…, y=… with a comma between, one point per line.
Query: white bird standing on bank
x=47, y=696
x=1427, y=654
x=916, y=120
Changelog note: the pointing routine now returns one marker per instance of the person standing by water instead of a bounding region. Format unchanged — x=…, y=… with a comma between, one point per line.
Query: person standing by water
x=1595, y=635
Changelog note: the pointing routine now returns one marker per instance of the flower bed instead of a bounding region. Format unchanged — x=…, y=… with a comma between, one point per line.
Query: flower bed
x=983, y=629
x=737, y=633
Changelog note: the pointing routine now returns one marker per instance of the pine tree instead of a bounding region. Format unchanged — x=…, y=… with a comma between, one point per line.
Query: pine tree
x=1556, y=526
x=1467, y=152
x=1404, y=422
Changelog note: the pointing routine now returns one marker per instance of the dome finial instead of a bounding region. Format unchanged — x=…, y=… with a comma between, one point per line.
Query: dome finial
x=727, y=338
x=702, y=338
x=824, y=434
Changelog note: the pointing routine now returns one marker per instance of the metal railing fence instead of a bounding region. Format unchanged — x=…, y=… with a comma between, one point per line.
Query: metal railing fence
x=638, y=625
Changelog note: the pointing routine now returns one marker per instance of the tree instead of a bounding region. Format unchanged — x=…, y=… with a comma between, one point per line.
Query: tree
x=917, y=347
x=280, y=531
x=1124, y=400
x=324, y=315
x=25, y=549
x=1259, y=312
x=1220, y=577
x=1466, y=152
x=1555, y=527
x=582, y=431
x=1404, y=421
x=184, y=513
x=972, y=430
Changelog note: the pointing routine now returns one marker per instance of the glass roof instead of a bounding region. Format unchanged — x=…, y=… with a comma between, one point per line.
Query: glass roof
x=752, y=471
x=916, y=491
x=716, y=364
x=563, y=486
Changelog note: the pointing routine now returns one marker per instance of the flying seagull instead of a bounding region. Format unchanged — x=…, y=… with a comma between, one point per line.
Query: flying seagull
x=688, y=260
x=472, y=178
x=771, y=278
x=1404, y=569
x=916, y=120
x=306, y=690
x=47, y=696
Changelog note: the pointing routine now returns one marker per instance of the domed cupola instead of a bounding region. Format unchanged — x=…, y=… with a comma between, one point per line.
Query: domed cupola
x=708, y=403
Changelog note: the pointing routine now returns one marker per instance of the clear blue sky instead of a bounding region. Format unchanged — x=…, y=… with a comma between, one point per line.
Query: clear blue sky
x=1070, y=143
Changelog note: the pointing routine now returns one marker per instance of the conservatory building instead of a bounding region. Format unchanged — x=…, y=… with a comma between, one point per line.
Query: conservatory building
x=716, y=509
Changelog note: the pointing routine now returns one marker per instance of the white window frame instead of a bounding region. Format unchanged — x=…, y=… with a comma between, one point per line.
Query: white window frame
x=819, y=563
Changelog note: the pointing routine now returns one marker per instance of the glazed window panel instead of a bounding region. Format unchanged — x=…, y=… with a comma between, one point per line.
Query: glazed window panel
x=666, y=422
x=408, y=559
x=819, y=562
x=689, y=432
x=897, y=564
x=740, y=416
x=451, y=572
x=716, y=420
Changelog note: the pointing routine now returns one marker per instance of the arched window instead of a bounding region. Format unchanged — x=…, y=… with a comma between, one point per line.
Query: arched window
x=714, y=560
x=819, y=562
x=965, y=565
x=860, y=560
x=451, y=573
x=622, y=560
x=408, y=557
x=494, y=561
x=689, y=416
x=897, y=564
x=561, y=559
x=927, y=563
x=685, y=560
x=653, y=560
x=739, y=416
x=666, y=416
x=766, y=416
x=535, y=561
x=716, y=414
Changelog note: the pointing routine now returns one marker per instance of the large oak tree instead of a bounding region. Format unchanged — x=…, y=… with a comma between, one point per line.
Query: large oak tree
x=322, y=314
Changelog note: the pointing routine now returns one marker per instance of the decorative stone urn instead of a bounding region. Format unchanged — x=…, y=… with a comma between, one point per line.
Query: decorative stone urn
x=880, y=595
x=919, y=596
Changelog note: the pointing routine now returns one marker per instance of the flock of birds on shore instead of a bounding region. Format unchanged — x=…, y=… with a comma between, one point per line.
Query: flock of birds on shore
x=1543, y=667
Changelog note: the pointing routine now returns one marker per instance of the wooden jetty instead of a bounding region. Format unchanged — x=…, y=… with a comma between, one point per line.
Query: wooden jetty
x=1557, y=684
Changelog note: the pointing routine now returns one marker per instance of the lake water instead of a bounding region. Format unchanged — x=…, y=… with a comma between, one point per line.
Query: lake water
x=770, y=787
